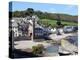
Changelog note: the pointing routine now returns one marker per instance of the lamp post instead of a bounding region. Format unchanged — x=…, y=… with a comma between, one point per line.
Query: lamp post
x=58, y=24
x=58, y=20
x=33, y=25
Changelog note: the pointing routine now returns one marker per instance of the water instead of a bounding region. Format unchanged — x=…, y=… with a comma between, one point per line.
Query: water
x=52, y=50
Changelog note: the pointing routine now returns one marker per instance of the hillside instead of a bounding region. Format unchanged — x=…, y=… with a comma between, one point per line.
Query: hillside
x=44, y=15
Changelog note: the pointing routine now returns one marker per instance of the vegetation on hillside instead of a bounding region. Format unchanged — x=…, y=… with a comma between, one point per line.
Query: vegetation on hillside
x=48, y=19
x=52, y=23
x=44, y=15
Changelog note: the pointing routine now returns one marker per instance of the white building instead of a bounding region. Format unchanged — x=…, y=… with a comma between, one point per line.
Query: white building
x=15, y=28
x=18, y=22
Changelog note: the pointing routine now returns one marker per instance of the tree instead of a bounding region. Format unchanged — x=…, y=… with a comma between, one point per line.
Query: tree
x=45, y=15
x=16, y=14
x=29, y=11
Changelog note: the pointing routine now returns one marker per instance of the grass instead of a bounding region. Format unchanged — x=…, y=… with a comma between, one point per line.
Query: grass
x=53, y=22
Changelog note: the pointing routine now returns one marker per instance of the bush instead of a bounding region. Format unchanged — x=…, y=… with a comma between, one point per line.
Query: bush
x=38, y=49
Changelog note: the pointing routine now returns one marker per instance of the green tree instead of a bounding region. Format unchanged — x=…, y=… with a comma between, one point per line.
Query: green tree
x=29, y=11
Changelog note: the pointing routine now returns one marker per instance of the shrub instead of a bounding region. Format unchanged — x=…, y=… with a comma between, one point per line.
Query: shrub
x=38, y=49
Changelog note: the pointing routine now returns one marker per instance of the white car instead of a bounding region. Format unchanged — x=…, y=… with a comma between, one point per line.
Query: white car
x=68, y=29
x=53, y=30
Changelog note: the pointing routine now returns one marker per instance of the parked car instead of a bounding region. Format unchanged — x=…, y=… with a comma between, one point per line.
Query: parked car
x=48, y=30
x=46, y=36
x=39, y=32
x=68, y=29
x=53, y=30
x=75, y=28
x=42, y=33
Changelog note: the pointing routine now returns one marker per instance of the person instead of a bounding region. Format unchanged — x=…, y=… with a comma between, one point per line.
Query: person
x=58, y=32
x=30, y=35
